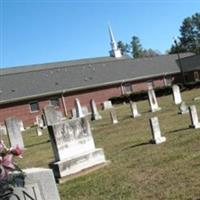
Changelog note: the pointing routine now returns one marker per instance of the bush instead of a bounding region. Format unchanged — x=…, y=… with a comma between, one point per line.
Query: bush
x=141, y=95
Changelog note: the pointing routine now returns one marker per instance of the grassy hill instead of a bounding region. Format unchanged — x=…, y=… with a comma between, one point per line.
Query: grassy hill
x=138, y=170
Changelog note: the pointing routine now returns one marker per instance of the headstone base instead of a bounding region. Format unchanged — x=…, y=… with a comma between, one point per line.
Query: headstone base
x=158, y=140
x=156, y=109
x=115, y=121
x=138, y=115
x=76, y=164
x=96, y=117
x=196, y=126
x=184, y=112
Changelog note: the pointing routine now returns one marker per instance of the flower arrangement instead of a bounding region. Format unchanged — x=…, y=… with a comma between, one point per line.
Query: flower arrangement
x=10, y=174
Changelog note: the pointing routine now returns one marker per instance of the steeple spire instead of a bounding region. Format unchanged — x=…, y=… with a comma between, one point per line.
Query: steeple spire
x=115, y=52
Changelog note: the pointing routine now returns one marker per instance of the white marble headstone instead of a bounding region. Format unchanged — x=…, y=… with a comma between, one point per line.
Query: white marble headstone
x=194, y=117
x=134, y=110
x=153, y=101
x=176, y=94
x=107, y=105
x=183, y=108
x=155, y=130
x=79, y=111
x=95, y=114
x=113, y=116
x=73, y=147
x=14, y=133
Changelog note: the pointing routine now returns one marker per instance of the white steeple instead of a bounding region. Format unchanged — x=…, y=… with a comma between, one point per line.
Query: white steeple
x=115, y=52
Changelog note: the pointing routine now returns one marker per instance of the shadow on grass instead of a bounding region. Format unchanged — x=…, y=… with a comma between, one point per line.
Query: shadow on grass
x=178, y=130
x=37, y=144
x=136, y=145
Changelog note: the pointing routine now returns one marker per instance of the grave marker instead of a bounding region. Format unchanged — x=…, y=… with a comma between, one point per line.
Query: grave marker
x=153, y=101
x=113, y=116
x=79, y=111
x=52, y=115
x=194, y=117
x=39, y=185
x=134, y=110
x=107, y=105
x=14, y=133
x=183, y=108
x=73, y=147
x=176, y=94
x=155, y=130
x=95, y=114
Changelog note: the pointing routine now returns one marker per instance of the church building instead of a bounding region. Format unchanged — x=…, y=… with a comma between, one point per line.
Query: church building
x=26, y=90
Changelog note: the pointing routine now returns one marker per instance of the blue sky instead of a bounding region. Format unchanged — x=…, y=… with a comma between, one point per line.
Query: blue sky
x=41, y=31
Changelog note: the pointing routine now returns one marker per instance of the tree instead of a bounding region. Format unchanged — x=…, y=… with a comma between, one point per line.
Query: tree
x=125, y=48
x=150, y=53
x=137, y=50
x=189, y=40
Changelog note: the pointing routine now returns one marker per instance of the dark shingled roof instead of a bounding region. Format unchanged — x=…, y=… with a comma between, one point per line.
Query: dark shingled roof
x=44, y=79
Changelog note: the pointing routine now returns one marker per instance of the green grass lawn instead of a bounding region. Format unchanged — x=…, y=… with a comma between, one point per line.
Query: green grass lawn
x=138, y=170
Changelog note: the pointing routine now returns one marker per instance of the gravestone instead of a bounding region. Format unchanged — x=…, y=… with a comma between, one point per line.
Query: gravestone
x=155, y=130
x=194, y=117
x=73, y=147
x=183, y=108
x=3, y=130
x=113, y=116
x=39, y=131
x=134, y=110
x=176, y=94
x=153, y=101
x=79, y=111
x=52, y=115
x=95, y=114
x=21, y=125
x=39, y=185
x=107, y=105
x=39, y=121
x=14, y=133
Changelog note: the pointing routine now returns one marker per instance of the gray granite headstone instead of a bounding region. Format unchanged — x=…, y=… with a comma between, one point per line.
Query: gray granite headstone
x=183, y=108
x=73, y=147
x=52, y=115
x=155, y=130
x=176, y=94
x=134, y=110
x=153, y=101
x=14, y=133
x=95, y=114
x=194, y=117
x=113, y=116
x=39, y=185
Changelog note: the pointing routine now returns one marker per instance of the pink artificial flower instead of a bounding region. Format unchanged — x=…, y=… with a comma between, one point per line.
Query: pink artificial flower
x=6, y=165
x=17, y=151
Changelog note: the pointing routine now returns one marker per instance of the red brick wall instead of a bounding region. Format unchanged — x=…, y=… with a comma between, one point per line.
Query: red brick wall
x=21, y=110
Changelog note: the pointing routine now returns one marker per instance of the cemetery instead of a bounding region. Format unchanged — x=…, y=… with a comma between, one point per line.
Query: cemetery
x=125, y=151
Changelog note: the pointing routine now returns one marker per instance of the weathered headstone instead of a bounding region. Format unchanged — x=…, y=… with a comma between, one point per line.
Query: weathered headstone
x=113, y=116
x=79, y=111
x=73, y=147
x=153, y=101
x=39, y=131
x=155, y=130
x=183, y=108
x=134, y=110
x=39, y=185
x=194, y=117
x=52, y=115
x=3, y=130
x=197, y=98
x=107, y=105
x=176, y=94
x=95, y=114
x=39, y=121
x=21, y=125
x=14, y=133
